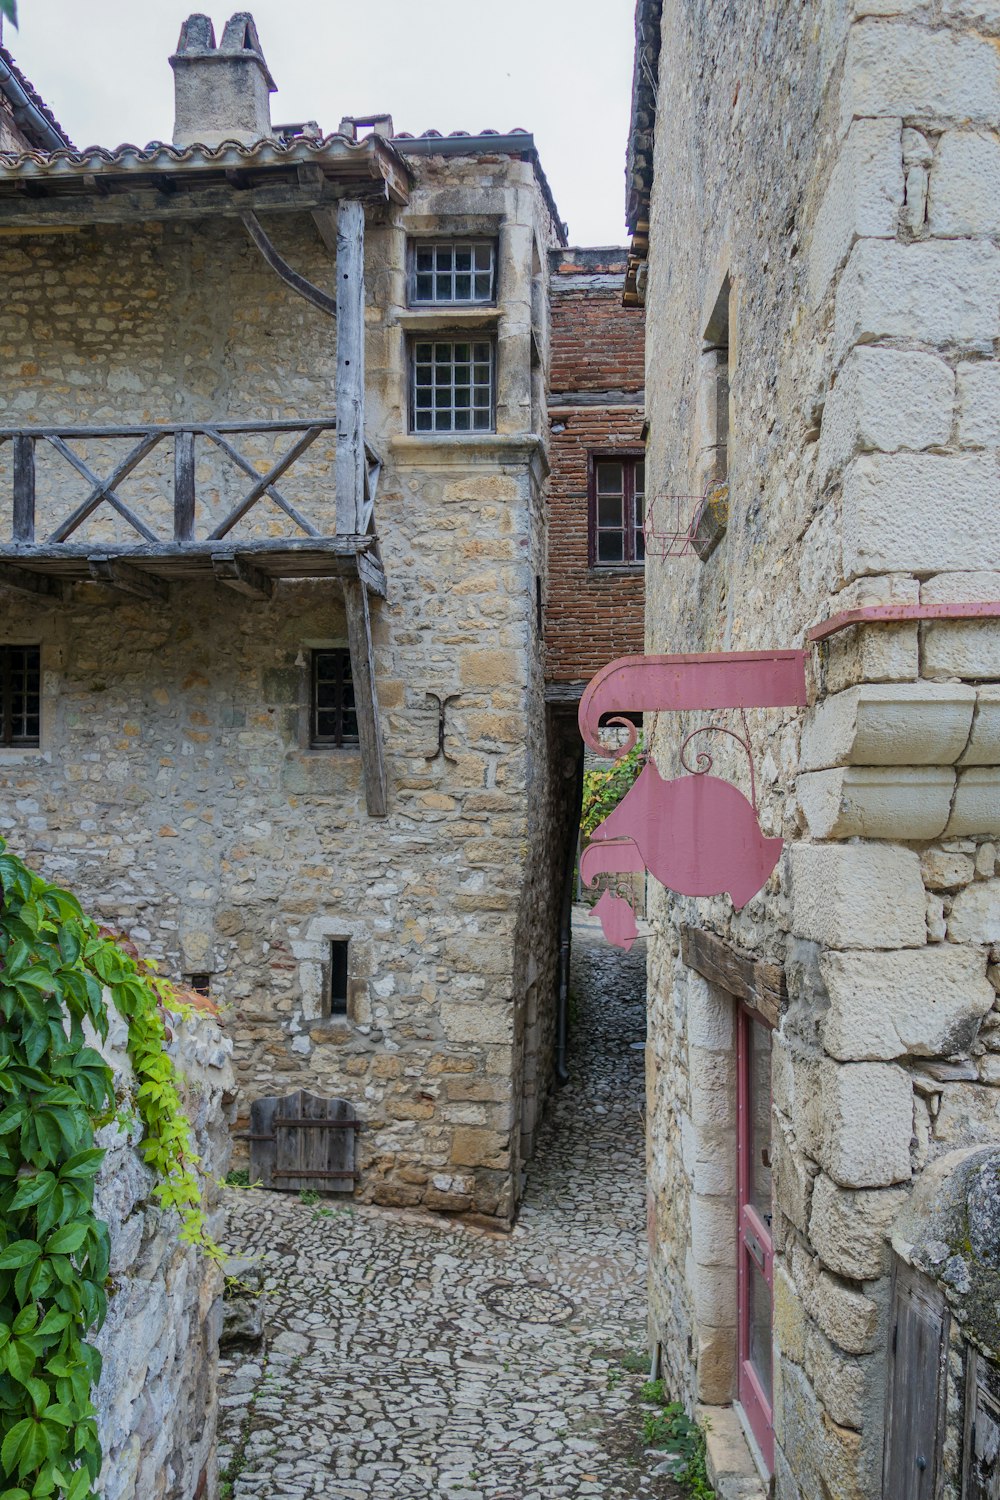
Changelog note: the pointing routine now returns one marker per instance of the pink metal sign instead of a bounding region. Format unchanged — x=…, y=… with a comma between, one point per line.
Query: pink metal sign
x=617, y=920
x=698, y=834
x=724, y=679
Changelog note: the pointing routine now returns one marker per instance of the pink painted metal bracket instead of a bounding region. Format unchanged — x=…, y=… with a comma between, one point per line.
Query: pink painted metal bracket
x=896, y=614
x=723, y=679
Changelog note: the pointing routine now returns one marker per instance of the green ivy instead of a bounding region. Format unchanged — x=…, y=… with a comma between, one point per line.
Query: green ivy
x=603, y=790
x=55, y=1091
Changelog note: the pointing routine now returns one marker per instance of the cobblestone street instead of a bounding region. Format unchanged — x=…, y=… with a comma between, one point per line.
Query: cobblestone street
x=408, y=1356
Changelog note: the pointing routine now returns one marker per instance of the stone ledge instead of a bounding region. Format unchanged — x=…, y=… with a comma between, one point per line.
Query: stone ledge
x=731, y=1469
x=877, y=802
x=890, y=724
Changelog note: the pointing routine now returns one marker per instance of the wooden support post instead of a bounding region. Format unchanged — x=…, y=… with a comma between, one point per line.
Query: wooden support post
x=24, y=488
x=350, y=467
x=128, y=580
x=236, y=573
x=359, y=637
x=183, y=486
x=40, y=584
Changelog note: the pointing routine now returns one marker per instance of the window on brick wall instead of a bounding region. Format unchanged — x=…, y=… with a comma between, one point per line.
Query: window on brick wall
x=333, y=717
x=617, y=497
x=451, y=385
x=452, y=273
x=21, y=693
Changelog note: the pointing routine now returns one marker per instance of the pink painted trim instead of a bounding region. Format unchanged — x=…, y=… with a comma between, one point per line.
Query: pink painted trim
x=716, y=679
x=874, y=614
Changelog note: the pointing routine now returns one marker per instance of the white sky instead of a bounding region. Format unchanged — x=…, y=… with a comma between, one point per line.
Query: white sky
x=560, y=68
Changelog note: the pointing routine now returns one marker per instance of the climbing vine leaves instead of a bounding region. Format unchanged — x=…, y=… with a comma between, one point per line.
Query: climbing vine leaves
x=56, y=966
x=604, y=789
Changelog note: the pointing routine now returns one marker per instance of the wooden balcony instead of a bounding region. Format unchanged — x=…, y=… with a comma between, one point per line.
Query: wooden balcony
x=139, y=507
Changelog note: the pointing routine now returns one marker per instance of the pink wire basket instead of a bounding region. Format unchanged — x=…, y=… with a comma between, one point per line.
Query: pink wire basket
x=670, y=524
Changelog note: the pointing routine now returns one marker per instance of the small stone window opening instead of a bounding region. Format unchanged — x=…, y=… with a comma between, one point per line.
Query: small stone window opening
x=452, y=273
x=617, y=503
x=339, y=973
x=333, y=715
x=21, y=689
x=716, y=351
x=451, y=385
x=200, y=983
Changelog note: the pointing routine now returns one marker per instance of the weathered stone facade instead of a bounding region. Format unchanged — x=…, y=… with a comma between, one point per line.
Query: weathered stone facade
x=156, y=1400
x=820, y=210
x=175, y=788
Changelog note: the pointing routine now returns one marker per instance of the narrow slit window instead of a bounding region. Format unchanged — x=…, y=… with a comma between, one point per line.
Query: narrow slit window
x=339, y=974
x=334, y=718
x=21, y=689
x=452, y=273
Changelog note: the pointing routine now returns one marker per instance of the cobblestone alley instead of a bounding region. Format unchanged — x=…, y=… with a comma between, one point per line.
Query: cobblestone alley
x=407, y=1356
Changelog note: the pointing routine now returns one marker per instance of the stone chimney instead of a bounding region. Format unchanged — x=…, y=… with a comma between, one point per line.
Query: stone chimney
x=221, y=93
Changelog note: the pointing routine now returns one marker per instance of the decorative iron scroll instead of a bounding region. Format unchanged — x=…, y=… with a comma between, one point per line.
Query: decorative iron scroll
x=697, y=834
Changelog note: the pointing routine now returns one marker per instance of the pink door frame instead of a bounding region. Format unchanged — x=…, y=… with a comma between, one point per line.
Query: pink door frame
x=754, y=1243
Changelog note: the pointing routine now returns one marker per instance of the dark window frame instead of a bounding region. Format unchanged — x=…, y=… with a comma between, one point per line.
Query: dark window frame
x=340, y=679
x=452, y=336
x=629, y=458
x=28, y=661
x=338, y=986
x=453, y=242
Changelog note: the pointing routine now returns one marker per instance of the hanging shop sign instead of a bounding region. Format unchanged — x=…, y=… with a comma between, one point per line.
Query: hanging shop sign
x=697, y=833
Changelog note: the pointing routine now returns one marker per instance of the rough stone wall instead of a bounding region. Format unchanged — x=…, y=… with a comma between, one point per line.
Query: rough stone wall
x=837, y=169
x=175, y=788
x=156, y=1401
x=592, y=615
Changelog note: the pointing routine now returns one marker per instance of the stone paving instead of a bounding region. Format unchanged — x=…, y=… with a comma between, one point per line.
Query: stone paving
x=410, y=1356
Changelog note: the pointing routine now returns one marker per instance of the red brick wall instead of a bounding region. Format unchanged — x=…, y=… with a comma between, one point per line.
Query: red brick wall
x=591, y=614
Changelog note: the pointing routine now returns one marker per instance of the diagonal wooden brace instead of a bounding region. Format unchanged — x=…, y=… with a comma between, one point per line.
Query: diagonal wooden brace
x=359, y=637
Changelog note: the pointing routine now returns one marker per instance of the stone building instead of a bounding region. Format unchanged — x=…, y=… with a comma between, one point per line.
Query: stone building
x=272, y=658
x=813, y=202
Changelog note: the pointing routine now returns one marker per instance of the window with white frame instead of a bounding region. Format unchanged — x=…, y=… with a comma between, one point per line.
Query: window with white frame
x=452, y=272
x=451, y=385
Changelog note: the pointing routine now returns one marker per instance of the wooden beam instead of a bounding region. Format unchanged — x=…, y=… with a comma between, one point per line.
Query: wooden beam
x=24, y=488
x=371, y=573
x=127, y=580
x=236, y=573
x=758, y=984
x=326, y=222
x=298, y=283
x=184, y=486
x=40, y=584
x=350, y=465
x=359, y=637
x=149, y=205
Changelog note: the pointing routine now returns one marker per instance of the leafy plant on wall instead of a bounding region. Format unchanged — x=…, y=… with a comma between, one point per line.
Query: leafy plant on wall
x=56, y=970
x=604, y=789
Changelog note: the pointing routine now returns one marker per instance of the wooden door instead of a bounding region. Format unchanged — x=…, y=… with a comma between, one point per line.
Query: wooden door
x=982, y=1429
x=303, y=1142
x=754, y=1245
x=915, y=1391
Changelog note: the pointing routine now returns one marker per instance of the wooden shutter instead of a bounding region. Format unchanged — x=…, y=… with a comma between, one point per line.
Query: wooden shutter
x=915, y=1394
x=982, y=1429
x=303, y=1142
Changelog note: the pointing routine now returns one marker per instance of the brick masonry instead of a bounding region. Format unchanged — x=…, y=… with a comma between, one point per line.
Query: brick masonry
x=595, y=406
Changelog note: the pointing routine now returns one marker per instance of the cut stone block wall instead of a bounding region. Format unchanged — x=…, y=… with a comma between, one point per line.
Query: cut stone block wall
x=831, y=173
x=175, y=788
x=156, y=1400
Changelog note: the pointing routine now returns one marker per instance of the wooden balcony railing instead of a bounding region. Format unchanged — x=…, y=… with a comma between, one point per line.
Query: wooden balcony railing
x=181, y=519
